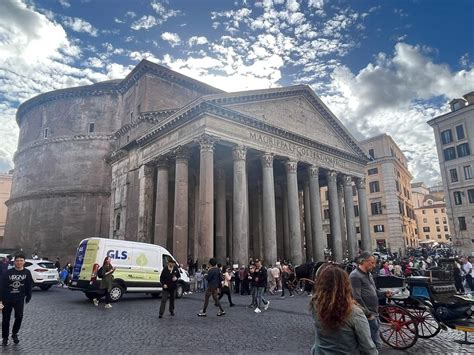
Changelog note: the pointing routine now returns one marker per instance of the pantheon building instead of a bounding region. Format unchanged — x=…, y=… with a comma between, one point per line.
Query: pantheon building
x=161, y=158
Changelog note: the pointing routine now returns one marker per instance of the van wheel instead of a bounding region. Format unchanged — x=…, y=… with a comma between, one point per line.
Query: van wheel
x=116, y=292
x=91, y=295
x=45, y=287
x=179, y=291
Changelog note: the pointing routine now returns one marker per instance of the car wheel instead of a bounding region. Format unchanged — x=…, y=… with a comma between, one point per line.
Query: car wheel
x=179, y=291
x=45, y=287
x=116, y=292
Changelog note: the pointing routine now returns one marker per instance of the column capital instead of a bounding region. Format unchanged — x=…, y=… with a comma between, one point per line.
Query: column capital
x=161, y=162
x=239, y=152
x=148, y=169
x=332, y=175
x=360, y=182
x=206, y=142
x=267, y=160
x=347, y=180
x=181, y=153
x=291, y=166
x=313, y=171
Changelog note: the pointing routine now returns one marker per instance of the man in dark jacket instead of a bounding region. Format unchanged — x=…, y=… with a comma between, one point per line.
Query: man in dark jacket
x=169, y=280
x=15, y=289
x=213, y=282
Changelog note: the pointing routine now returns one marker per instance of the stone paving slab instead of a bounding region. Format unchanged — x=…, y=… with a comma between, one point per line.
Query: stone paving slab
x=60, y=321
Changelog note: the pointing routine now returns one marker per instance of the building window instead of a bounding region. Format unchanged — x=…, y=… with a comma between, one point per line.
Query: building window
x=117, y=222
x=457, y=198
x=378, y=228
x=425, y=220
x=446, y=136
x=462, y=223
x=376, y=208
x=45, y=133
x=435, y=211
x=423, y=211
x=463, y=150
x=357, y=230
x=401, y=208
x=326, y=214
x=449, y=153
x=436, y=220
x=454, y=175
x=356, y=210
x=374, y=186
x=372, y=153
x=438, y=228
x=445, y=228
x=91, y=127
x=439, y=236
x=442, y=211
x=467, y=172
x=373, y=171
x=444, y=220
x=470, y=194
x=397, y=185
x=460, y=132
x=427, y=237
x=426, y=229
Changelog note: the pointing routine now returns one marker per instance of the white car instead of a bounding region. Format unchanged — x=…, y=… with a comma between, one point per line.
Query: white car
x=43, y=272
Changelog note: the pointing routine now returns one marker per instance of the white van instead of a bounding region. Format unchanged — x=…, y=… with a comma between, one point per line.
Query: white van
x=139, y=266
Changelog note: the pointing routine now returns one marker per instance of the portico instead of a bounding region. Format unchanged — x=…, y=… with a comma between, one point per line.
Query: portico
x=225, y=177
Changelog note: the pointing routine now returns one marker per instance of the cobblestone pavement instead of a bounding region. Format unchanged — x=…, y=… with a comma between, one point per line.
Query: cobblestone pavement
x=60, y=321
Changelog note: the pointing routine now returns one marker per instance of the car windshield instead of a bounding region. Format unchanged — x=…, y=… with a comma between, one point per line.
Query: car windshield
x=47, y=265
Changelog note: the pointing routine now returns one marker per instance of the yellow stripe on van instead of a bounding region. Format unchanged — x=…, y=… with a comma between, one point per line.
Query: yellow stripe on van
x=89, y=259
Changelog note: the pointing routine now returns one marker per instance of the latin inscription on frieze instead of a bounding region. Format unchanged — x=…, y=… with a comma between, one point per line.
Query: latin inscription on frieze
x=297, y=149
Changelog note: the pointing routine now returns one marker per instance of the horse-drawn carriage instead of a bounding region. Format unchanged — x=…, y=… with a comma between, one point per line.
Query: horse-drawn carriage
x=421, y=306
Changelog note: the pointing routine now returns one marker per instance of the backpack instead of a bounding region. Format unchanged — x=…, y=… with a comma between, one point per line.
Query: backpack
x=100, y=272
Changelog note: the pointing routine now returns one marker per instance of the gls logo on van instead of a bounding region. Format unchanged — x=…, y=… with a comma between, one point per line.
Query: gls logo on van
x=116, y=254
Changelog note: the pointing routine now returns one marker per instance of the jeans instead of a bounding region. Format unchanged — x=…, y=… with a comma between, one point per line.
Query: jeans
x=165, y=294
x=259, y=297
x=8, y=307
x=374, y=326
x=211, y=292
x=226, y=290
x=469, y=282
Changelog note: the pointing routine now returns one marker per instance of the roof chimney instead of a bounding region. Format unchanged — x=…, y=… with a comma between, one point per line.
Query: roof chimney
x=469, y=97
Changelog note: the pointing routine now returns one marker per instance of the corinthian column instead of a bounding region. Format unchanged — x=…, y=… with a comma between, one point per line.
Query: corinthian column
x=206, y=199
x=363, y=215
x=269, y=217
x=145, y=203
x=317, y=232
x=307, y=222
x=240, y=210
x=161, y=207
x=335, y=217
x=221, y=237
x=296, y=254
x=350, y=218
x=180, y=227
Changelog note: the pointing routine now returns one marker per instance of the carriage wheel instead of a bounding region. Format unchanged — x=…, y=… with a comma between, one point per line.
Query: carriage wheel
x=398, y=328
x=428, y=326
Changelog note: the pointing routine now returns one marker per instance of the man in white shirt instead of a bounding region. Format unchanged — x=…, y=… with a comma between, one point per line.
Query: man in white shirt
x=467, y=269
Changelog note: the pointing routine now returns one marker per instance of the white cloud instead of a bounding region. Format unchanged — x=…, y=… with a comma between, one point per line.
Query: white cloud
x=79, y=25
x=197, y=40
x=145, y=22
x=172, y=38
x=64, y=3
x=404, y=88
x=162, y=12
x=130, y=14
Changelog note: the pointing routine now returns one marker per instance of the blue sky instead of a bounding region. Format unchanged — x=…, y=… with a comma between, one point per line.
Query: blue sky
x=380, y=66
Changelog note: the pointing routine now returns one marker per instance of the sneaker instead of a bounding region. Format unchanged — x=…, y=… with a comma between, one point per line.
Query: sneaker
x=292, y=295
x=96, y=302
x=221, y=313
x=265, y=307
x=15, y=339
x=257, y=310
x=232, y=305
x=202, y=314
x=282, y=297
x=160, y=316
x=108, y=305
x=5, y=342
x=172, y=313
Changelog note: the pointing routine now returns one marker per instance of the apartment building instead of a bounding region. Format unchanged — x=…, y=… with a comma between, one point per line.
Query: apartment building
x=454, y=136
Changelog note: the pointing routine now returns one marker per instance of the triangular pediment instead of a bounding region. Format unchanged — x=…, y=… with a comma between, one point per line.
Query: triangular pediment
x=297, y=110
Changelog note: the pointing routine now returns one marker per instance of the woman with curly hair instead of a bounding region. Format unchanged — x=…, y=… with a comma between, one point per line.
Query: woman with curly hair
x=341, y=326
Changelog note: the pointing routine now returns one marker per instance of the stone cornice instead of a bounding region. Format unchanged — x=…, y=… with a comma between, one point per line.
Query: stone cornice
x=185, y=115
x=118, y=87
x=62, y=139
x=150, y=116
x=56, y=193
